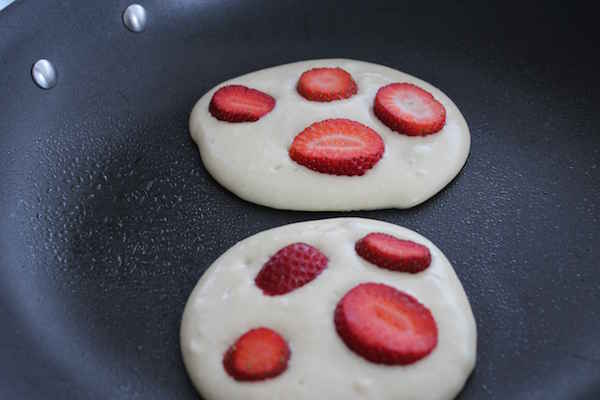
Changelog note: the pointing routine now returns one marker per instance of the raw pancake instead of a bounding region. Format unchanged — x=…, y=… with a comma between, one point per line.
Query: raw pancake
x=226, y=303
x=251, y=158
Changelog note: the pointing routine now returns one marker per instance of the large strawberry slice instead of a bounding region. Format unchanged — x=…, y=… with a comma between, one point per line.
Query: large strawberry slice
x=337, y=147
x=326, y=84
x=237, y=103
x=258, y=354
x=290, y=268
x=408, y=109
x=384, y=325
x=387, y=251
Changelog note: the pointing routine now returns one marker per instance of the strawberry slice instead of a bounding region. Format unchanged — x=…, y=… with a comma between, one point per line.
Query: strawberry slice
x=290, y=268
x=408, y=109
x=384, y=325
x=237, y=103
x=389, y=252
x=326, y=84
x=257, y=355
x=337, y=147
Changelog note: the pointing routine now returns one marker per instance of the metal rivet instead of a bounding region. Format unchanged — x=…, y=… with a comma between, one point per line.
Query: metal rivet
x=134, y=18
x=44, y=74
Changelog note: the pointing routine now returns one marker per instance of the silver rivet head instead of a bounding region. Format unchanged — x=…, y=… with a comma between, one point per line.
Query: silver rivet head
x=44, y=74
x=134, y=18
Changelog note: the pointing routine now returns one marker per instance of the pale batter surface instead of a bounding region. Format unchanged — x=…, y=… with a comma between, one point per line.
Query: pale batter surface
x=251, y=158
x=226, y=303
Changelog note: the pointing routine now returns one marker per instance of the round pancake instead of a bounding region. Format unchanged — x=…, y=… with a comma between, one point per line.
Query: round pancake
x=226, y=303
x=251, y=158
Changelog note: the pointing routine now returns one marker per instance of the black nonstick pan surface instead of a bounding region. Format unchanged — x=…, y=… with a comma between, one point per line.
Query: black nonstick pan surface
x=108, y=219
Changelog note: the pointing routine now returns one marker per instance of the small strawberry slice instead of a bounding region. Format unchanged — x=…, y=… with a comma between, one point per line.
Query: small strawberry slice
x=389, y=252
x=408, y=109
x=237, y=103
x=326, y=84
x=257, y=355
x=337, y=147
x=384, y=325
x=290, y=268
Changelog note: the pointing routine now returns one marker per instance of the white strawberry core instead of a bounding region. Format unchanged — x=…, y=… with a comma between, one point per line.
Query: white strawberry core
x=390, y=315
x=412, y=104
x=243, y=104
x=338, y=142
x=390, y=247
x=327, y=81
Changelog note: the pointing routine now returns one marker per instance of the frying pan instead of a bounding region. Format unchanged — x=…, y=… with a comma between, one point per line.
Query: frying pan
x=108, y=219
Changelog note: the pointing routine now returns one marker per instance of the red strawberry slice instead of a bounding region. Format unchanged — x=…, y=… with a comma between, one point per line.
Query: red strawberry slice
x=290, y=268
x=337, y=147
x=257, y=355
x=389, y=252
x=237, y=103
x=384, y=325
x=408, y=109
x=326, y=84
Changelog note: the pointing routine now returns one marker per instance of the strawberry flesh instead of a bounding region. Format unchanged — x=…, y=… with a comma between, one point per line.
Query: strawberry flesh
x=290, y=268
x=389, y=252
x=337, y=147
x=237, y=103
x=259, y=354
x=384, y=325
x=326, y=84
x=408, y=109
